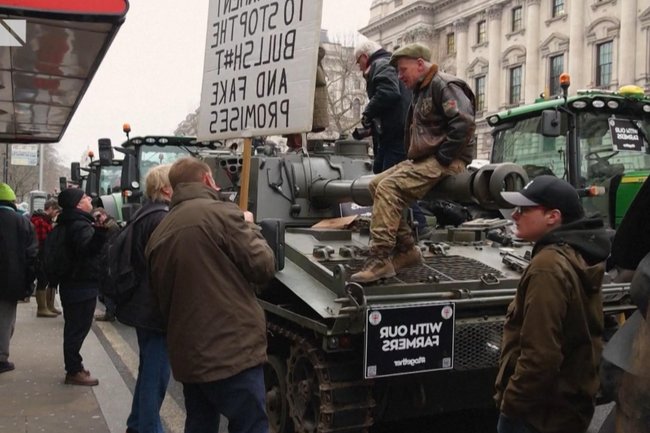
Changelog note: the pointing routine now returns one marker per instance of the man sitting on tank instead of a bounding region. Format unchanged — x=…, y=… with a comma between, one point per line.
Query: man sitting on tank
x=439, y=139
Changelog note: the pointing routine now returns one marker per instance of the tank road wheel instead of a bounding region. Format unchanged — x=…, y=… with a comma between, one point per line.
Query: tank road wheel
x=325, y=393
x=277, y=408
x=303, y=393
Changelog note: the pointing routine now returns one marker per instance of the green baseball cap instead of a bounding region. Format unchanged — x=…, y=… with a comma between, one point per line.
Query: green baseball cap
x=413, y=51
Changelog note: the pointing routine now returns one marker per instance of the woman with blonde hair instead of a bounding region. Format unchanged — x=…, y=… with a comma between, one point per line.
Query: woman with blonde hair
x=142, y=312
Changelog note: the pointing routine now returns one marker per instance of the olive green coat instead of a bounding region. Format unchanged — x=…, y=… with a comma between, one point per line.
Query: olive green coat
x=203, y=259
x=552, y=339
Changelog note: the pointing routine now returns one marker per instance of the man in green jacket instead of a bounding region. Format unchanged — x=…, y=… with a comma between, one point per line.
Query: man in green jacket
x=439, y=137
x=204, y=258
x=552, y=337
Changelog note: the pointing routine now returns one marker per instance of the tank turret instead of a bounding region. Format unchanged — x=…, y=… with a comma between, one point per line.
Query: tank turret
x=301, y=189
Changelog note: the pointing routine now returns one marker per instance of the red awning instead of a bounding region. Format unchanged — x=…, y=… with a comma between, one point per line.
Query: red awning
x=49, y=53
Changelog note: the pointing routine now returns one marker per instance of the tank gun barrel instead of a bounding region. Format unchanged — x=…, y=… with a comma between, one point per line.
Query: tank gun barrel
x=328, y=192
x=482, y=186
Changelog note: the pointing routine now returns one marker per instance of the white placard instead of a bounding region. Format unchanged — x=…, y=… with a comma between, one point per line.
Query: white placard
x=259, y=72
x=24, y=154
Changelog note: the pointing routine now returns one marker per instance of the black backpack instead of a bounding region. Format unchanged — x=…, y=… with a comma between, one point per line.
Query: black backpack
x=57, y=257
x=119, y=278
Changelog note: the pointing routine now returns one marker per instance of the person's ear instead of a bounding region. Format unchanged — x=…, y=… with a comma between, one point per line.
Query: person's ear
x=554, y=217
x=207, y=179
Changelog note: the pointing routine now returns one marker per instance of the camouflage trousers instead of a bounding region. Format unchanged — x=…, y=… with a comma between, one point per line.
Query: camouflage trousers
x=394, y=190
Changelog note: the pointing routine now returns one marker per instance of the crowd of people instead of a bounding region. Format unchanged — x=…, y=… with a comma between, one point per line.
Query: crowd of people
x=198, y=225
x=199, y=257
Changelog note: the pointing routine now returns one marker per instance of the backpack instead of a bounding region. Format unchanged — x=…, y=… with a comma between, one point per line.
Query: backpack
x=57, y=257
x=119, y=278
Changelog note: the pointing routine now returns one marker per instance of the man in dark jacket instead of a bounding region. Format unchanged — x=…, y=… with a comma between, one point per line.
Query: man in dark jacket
x=388, y=103
x=552, y=338
x=439, y=137
x=142, y=312
x=18, y=249
x=203, y=259
x=79, y=288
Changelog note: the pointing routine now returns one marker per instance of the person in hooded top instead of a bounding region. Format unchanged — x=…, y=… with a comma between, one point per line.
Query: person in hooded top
x=552, y=338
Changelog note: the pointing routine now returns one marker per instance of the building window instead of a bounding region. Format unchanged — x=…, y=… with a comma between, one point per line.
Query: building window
x=398, y=3
x=604, y=65
x=480, y=93
x=517, y=19
x=558, y=8
x=481, y=35
x=515, y=85
x=556, y=69
x=451, y=43
x=356, y=108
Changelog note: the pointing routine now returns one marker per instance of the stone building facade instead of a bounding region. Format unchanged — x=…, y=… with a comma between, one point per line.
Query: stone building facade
x=346, y=86
x=512, y=51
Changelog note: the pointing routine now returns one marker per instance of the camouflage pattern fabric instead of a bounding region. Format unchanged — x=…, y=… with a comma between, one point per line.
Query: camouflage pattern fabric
x=394, y=190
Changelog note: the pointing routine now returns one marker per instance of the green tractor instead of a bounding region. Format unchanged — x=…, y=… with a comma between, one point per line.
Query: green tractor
x=597, y=140
x=101, y=180
x=143, y=153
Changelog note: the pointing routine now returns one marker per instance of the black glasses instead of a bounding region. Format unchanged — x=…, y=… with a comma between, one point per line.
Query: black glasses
x=524, y=209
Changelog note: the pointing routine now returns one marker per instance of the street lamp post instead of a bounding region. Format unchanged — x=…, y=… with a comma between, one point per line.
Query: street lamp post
x=6, y=167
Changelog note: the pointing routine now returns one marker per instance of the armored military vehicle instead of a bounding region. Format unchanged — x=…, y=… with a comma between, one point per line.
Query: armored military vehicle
x=343, y=356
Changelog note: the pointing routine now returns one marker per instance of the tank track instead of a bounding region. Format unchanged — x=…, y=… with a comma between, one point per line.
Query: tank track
x=325, y=391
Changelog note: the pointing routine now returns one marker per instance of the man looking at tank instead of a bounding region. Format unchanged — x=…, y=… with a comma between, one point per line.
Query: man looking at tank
x=142, y=312
x=552, y=337
x=83, y=240
x=438, y=137
x=203, y=259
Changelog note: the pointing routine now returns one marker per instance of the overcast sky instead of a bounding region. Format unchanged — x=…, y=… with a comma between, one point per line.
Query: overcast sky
x=151, y=75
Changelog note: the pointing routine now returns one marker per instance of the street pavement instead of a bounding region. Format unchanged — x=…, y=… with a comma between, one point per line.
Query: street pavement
x=34, y=398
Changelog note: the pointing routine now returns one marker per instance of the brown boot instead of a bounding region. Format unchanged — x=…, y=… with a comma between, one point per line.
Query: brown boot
x=50, y=295
x=82, y=378
x=375, y=268
x=41, y=301
x=406, y=258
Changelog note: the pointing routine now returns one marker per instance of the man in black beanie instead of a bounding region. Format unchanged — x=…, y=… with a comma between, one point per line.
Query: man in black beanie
x=79, y=285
